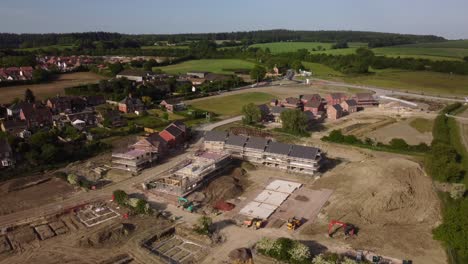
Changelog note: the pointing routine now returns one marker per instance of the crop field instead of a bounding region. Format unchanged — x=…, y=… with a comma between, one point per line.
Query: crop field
x=280, y=47
x=59, y=47
x=211, y=65
x=415, y=81
x=449, y=50
x=320, y=70
x=44, y=90
x=231, y=105
x=163, y=47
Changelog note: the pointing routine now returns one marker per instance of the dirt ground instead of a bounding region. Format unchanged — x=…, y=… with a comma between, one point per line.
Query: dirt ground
x=391, y=201
x=42, y=91
x=401, y=129
x=21, y=194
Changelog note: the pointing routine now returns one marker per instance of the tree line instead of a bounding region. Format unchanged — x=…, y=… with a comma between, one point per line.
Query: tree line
x=375, y=39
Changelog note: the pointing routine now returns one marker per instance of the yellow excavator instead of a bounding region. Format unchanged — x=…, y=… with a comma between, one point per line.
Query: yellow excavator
x=293, y=223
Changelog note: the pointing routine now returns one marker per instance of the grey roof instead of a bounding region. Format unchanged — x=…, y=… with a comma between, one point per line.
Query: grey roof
x=292, y=100
x=219, y=136
x=236, y=140
x=313, y=103
x=278, y=148
x=264, y=109
x=257, y=143
x=364, y=96
x=303, y=152
x=174, y=130
x=309, y=97
x=277, y=109
x=338, y=107
x=351, y=102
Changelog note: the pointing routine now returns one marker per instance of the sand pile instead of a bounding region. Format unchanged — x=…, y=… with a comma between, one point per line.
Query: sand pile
x=108, y=237
x=225, y=187
x=392, y=191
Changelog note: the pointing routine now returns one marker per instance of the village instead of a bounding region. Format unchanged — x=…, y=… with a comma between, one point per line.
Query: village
x=248, y=182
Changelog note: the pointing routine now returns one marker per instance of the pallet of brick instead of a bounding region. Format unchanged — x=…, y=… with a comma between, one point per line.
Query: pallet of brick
x=4, y=245
x=44, y=232
x=58, y=227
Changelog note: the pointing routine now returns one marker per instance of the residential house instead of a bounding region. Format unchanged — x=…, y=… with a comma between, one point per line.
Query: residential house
x=14, y=110
x=215, y=140
x=94, y=100
x=16, y=128
x=264, y=111
x=131, y=105
x=304, y=159
x=336, y=98
x=212, y=77
x=292, y=103
x=61, y=104
x=254, y=149
x=153, y=144
x=277, y=155
x=36, y=116
x=80, y=120
x=133, y=160
x=111, y=118
x=7, y=158
x=136, y=75
x=314, y=106
x=235, y=145
x=310, y=97
x=276, y=113
x=173, y=105
x=310, y=116
x=349, y=106
x=334, y=112
x=198, y=74
x=174, y=135
x=365, y=100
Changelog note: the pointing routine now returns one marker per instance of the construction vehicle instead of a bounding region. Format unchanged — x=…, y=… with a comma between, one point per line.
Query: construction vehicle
x=349, y=229
x=293, y=223
x=257, y=223
x=186, y=204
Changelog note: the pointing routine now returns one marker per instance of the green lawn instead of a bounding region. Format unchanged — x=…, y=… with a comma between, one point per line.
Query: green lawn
x=422, y=125
x=231, y=105
x=211, y=65
x=321, y=71
x=415, y=81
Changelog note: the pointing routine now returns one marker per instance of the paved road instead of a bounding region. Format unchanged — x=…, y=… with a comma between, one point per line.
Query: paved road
x=385, y=91
x=211, y=126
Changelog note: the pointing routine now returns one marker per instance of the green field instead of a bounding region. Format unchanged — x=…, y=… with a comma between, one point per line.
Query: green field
x=448, y=50
x=59, y=47
x=422, y=125
x=231, y=105
x=321, y=71
x=280, y=47
x=415, y=81
x=163, y=47
x=210, y=65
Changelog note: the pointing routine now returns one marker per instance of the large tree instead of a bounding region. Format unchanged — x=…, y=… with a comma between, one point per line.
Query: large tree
x=251, y=113
x=29, y=96
x=294, y=121
x=258, y=73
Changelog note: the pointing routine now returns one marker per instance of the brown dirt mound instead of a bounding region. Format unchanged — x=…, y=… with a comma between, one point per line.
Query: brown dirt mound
x=226, y=187
x=241, y=255
x=394, y=191
x=108, y=237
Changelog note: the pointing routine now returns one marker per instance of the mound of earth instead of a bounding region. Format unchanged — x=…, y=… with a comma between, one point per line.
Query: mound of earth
x=241, y=255
x=226, y=187
x=108, y=237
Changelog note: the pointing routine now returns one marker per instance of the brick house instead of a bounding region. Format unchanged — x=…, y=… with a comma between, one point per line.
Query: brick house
x=349, y=106
x=292, y=102
x=94, y=100
x=173, y=105
x=131, y=105
x=174, y=134
x=335, y=111
x=314, y=106
x=310, y=97
x=36, y=116
x=153, y=144
x=365, y=99
x=336, y=98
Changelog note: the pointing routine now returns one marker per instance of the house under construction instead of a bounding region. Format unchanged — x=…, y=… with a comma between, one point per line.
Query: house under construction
x=190, y=174
x=291, y=158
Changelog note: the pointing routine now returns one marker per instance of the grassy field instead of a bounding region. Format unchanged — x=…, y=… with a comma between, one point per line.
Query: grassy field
x=280, y=47
x=448, y=50
x=231, y=105
x=49, y=89
x=163, y=47
x=415, y=81
x=321, y=71
x=422, y=125
x=210, y=65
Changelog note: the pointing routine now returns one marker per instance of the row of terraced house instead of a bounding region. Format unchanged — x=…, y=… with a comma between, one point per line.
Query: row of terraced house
x=291, y=158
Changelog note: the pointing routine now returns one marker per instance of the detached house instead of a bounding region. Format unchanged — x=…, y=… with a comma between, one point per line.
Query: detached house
x=175, y=134
x=310, y=98
x=173, y=105
x=365, y=99
x=131, y=105
x=349, y=106
x=334, y=112
x=336, y=98
x=136, y=75
x=276, y=113
x=314, y=106
x=36, y=116
x=292, y=102
x=6, y=154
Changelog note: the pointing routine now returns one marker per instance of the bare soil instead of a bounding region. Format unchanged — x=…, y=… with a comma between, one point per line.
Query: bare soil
x=19, y=194
x=401, y=129
x=57, y=86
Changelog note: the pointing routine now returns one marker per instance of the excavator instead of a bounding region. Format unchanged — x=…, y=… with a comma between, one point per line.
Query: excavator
x=349, y=229
x=293, y=223
x=186, y=204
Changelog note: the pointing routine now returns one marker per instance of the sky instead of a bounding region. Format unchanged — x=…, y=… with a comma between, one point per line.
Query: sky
x=447, y=18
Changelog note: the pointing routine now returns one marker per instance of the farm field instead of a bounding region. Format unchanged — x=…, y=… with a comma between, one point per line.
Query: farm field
x=280, y=47
x=232, y=104
x=321, y=71
x=415, y=81
x=42, y=91
x=163, y=47
x=211, y=65
x=449, y=50
x=59, y=47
